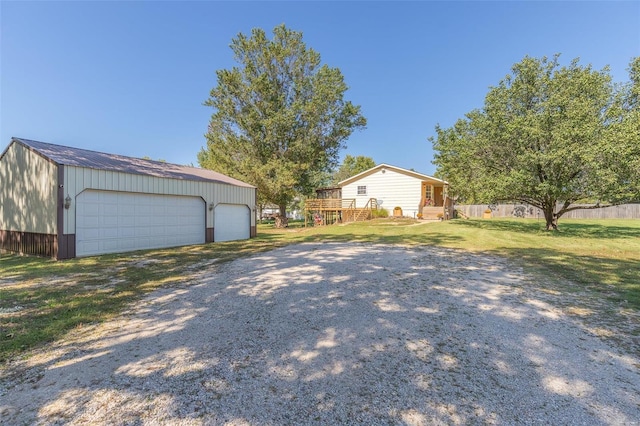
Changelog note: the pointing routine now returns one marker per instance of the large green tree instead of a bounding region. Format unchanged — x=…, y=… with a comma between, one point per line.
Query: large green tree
x=351, y=166
x=550, y=136
x=280, y=117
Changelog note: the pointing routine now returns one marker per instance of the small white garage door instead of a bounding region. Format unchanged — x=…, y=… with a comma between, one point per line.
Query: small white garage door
x=232, y=222
x=113, y=222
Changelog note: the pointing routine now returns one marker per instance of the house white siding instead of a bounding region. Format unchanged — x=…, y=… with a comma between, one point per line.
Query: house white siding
x=390, y=188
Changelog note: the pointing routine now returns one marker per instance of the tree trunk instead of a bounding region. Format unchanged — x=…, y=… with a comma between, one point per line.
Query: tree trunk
x=550, y=216
x=281, y=220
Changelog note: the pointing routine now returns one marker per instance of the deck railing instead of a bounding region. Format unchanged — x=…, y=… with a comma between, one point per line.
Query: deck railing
x=332, y=210
x=366, y=212
x=330, y=203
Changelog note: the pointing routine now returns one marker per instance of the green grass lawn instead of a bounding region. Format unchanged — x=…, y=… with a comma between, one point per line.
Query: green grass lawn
x=41, y=300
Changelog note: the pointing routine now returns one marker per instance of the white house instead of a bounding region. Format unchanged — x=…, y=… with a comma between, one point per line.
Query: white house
x=414, y=193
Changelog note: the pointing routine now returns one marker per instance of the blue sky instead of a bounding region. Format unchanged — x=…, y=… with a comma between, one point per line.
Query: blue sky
x=130, y=77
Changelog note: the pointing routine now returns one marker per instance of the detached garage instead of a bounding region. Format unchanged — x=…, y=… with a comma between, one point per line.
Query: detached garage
x=65, y=202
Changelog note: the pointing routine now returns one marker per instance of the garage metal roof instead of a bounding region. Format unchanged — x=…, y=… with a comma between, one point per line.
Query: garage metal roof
x=68, y=156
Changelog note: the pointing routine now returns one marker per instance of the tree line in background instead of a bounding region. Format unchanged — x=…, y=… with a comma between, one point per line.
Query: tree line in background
x=550, y=136
x=350, y=166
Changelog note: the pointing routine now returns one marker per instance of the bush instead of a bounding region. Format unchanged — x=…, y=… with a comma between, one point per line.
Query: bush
x=379, y=213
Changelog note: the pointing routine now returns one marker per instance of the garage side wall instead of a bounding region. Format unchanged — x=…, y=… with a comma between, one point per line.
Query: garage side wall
x=79, y=179
x=28, y=202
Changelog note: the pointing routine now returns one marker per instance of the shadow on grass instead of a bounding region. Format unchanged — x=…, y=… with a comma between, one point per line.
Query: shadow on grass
x=58, y=296
x=573, y=229
x=43, y=299
x=405, y=239
x=615, y=279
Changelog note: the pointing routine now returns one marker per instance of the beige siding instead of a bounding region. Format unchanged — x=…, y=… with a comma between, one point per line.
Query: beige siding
x=77, y=179
x=390, y=188
x=229, y=194
x=29, y=202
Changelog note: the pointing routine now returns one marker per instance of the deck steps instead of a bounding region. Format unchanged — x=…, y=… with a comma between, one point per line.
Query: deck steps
x=431, y=213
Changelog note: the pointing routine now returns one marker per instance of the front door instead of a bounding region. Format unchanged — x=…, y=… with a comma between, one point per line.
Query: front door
x=438, y=198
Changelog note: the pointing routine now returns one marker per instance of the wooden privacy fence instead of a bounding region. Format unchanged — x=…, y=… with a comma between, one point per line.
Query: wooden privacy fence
x=623, y=211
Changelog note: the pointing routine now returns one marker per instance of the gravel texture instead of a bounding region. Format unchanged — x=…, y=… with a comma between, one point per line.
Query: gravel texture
x=336, y=333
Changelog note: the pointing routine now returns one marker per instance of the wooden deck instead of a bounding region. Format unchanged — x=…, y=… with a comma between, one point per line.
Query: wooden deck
x=327, y=211
x=330, y=204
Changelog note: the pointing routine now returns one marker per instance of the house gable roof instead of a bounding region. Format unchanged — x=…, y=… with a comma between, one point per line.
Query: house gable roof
x=68, y=156
x=373, y=170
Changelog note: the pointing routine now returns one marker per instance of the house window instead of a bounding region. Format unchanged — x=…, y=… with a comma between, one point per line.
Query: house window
x=362, y=190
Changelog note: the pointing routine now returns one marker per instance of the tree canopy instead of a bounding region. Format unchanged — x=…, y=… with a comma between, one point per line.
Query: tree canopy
x=351, y=166
x=280, y=117
x=550, y=136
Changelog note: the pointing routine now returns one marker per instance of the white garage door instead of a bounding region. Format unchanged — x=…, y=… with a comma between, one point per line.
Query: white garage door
x=113, y=222
x=232, y=222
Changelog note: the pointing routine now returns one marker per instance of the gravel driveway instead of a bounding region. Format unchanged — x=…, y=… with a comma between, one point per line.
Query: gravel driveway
x=335, y=333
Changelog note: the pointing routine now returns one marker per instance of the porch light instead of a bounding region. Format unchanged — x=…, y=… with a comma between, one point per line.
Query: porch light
x=67, y=202
x=210, y=206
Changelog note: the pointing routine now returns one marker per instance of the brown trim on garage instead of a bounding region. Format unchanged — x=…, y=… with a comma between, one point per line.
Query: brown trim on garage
x=253, y=232
x=61, y=248
x=29, y=243
x=209, y=236
x=66, y=244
